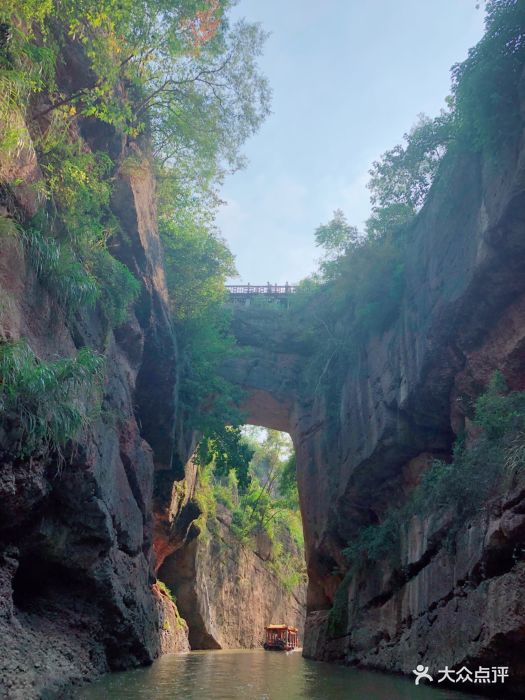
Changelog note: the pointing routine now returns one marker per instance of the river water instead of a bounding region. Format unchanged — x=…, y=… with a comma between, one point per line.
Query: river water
x=255, y=675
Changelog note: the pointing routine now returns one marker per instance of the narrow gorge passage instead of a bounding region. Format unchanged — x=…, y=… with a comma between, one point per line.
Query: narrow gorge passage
x=237, y=675
x=243, y=566
x=189, y=453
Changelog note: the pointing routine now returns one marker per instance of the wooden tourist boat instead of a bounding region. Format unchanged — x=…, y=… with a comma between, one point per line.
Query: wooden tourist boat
x=281, y=638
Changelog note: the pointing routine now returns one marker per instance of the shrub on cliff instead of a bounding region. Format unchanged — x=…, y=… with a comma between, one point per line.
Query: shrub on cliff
x=230, y=454
x=486, y=87
x=46, y=404
x=255, y=480
x=176, y=72
x=197, y=264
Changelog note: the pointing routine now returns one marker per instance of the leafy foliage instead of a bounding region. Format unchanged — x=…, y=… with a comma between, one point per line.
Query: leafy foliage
x=376, y=542
x=203, y=100
x=228, y=452
x=338, y=615
x=358, y=289
x=118, y=287
x=167, y=592
x=337, y=238
x=183, y=81
x=45, y=402
x=176, y=72
x=261, y=494
x=287, y=482
x=486, y=86
x=209, y=401
x=486, y=468
x=197, y=263
x=401, y=179
x=59, y=270
x=214, y=101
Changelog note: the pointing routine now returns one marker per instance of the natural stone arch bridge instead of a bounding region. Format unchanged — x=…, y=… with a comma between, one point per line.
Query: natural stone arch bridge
x=398, y=401
x=346, y=463
x=398, y=404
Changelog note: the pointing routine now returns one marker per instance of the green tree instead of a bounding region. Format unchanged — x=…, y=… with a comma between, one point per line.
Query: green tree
x=337, y=239
x=269, y=456
x=263, y=504
x=197, y=264
x=485, y=87
x=229, y=452
x=175, y=71
x=401, y=178
x=288, y=482
x=183, y=82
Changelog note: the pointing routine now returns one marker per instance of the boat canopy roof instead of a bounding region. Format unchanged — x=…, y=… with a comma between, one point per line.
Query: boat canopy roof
x=281, y=627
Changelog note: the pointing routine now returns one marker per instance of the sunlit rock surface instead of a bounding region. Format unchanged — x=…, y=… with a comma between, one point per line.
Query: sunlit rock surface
x=228, y=592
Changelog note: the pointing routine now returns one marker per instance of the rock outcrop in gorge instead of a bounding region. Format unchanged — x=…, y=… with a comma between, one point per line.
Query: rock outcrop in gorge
x=227, y=592
x=399, y=405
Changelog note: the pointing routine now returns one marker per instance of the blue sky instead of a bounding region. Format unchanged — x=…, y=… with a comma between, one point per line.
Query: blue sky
x=349, y=78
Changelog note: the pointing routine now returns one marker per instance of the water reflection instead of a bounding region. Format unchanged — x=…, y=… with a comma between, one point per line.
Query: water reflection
x=255, y=675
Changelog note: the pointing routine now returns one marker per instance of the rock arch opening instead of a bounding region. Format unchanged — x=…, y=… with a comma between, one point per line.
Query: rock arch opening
x=246, y=566
x=222, y=573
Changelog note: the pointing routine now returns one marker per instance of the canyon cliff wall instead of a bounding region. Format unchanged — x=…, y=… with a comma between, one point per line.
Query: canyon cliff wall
x=400, y=405
x=76, y=569
x=228, y=592
x=83, y=535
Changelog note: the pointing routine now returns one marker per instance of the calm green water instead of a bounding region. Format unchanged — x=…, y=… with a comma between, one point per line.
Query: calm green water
x=255, y=675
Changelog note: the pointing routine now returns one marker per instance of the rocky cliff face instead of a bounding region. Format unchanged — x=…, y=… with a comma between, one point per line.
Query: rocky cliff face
x=399, y=407
x=81, y=540
x=227, y=592
x=76, y=568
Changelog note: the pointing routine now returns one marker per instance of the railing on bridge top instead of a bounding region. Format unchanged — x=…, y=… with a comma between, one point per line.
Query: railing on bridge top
x=245, y=293
x=245, y=289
